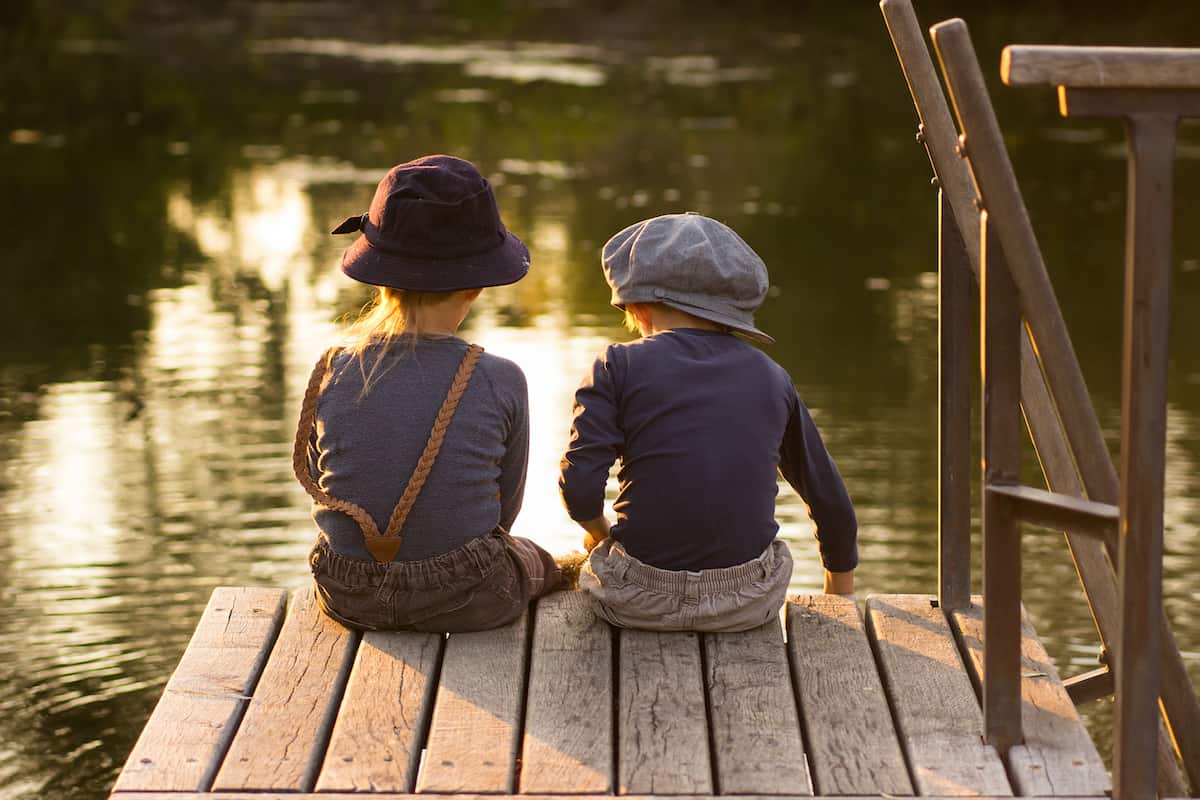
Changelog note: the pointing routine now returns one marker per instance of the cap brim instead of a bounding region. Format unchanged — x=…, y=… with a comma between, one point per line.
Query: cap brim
x=502, y=265
x=738, y=326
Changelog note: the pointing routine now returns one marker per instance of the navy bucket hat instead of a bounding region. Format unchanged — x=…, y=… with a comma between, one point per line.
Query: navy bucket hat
x=433, y=226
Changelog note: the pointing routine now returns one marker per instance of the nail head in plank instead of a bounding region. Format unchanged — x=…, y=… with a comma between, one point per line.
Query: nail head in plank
x=568, y=739
x=1101, y=67
x=851, y=741
x=936, y=712
x=282, y=738
x=661, y=721
x=377, y=738
x=181, y=746
x=473, y=736
x=755, y=727
x=1058, y=756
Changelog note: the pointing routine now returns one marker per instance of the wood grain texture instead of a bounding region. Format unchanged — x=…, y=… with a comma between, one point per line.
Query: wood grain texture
x=1101, y=67
x=955, y=380
x=936, y=712
x=752, y=713
x=661, y=719
x=401, y=796
x=282, y=738
x=475, y=731
x=377, y=738
x=1057, y=756
x=568, y=740
x=851, y=740
x=187, y=734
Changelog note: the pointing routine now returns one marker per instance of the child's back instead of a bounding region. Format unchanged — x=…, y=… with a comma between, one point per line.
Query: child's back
x=701, y=422
x=412, y=443
x=366, y=446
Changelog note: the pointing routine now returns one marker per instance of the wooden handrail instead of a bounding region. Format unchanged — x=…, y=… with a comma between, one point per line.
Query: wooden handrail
x=999, y=192
x=1054, y=452
x=1101, y=67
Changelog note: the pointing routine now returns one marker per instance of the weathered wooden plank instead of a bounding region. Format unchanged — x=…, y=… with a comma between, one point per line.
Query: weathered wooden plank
x=936, y=712
x=852, y=744
x=377, y=738
x=752, y=709
x=399, y=796
x=282, y=738
x=661, y=722
x=475, y=731
x=1101, y=67
x=1057, y=756
x=181, y=746
x=568, y=740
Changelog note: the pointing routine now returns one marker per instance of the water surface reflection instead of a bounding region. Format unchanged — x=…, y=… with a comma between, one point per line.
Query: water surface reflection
x=170, y=283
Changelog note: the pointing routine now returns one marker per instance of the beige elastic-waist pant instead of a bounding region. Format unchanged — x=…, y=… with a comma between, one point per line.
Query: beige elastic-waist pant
x=631, y=594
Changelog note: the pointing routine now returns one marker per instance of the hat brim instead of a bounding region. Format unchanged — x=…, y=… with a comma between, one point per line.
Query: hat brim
x=502, y=265
x=738, y=326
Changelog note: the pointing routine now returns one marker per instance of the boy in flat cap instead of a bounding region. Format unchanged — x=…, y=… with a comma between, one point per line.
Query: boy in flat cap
x=701, y=422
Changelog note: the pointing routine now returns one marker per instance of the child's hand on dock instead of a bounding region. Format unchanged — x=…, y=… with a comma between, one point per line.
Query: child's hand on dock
x=597, y=532
x=839, y=582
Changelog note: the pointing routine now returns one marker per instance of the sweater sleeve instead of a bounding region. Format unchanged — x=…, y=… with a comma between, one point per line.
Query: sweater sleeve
x=515, y=461
x=808, y=467
x=595, y=443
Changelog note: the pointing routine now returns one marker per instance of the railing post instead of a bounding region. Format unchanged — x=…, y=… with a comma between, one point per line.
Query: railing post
x=954, y=413
x=1143, y=444
x=1000, y=325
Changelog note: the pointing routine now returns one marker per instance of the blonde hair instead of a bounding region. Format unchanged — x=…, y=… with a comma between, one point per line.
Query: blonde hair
x=631, y=320
x=390, y=313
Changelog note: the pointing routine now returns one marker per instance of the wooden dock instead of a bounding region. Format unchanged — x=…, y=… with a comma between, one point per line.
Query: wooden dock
x=269, y=701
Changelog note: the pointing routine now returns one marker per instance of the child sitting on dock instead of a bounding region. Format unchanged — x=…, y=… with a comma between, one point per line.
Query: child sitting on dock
x=413, y=443
x=701, y=421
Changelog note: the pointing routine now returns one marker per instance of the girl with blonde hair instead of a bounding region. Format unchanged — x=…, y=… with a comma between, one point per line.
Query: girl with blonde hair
x=413, y=443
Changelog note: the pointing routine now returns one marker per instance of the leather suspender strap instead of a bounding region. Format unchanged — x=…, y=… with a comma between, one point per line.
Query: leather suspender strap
x=382, y=546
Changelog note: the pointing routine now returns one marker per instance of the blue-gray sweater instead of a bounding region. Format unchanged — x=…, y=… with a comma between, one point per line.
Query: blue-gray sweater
x=700, y=421
x=364, y=450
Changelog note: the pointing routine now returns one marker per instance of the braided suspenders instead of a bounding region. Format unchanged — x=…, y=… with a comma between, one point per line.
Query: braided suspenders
x=382, y=546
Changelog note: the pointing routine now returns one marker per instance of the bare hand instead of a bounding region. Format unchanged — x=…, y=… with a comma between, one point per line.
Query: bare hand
x=597, y=531
x=839, y=582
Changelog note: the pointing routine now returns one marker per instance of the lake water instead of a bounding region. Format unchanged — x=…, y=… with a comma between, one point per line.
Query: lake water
x=169, y=181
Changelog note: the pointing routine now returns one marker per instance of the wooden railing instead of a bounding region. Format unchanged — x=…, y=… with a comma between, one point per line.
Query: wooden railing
x=1028, y=362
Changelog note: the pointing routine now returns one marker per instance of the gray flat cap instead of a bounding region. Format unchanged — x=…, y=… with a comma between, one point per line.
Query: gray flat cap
x=689, y=262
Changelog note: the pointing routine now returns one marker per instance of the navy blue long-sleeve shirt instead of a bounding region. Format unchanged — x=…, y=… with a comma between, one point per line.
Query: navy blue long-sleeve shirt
x=700, y=421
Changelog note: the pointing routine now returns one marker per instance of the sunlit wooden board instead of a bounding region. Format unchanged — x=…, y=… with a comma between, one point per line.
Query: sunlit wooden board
x=852, y=744
x=377, y=738
x=181, y=746
x=1058, y=756
x=568, y=741
x=283, y=736
x=475, y=731
x=936, y=712
x=752, y=708
x=661, y=718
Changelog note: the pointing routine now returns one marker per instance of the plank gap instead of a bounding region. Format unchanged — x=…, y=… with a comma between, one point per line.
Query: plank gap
x=793, y=674
x=325, y=731
x=708, y=714
x=518, y=739
x=422, y=740
x=615, y=776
